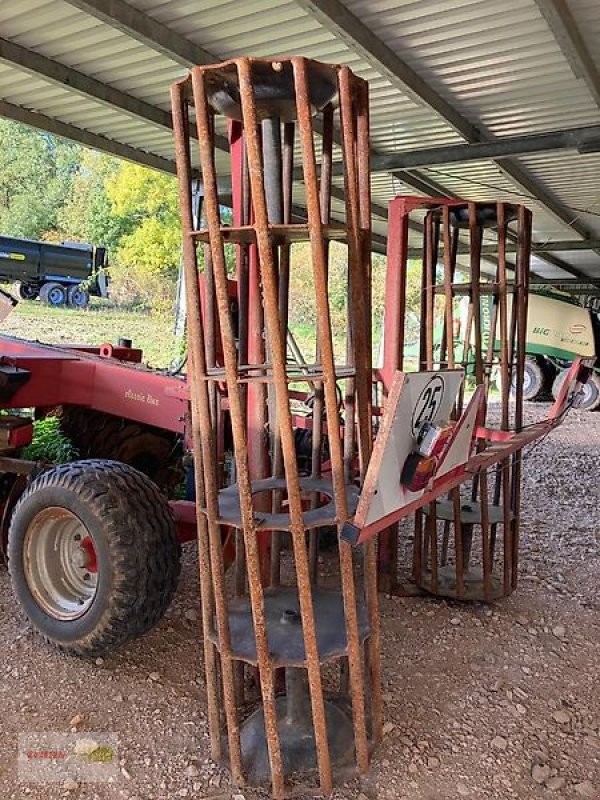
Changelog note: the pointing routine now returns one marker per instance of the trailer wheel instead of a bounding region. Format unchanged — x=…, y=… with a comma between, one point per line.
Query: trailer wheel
x=591, y=390
x=77, y=297
x=29, y=291
x=93, y=555
x=53, y=294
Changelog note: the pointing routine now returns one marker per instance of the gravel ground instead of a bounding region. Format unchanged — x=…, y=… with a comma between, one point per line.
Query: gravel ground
x=499, y=702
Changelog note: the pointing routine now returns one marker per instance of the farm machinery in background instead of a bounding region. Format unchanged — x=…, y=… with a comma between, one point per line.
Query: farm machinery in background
x=281, y=452
x=558, y=331
x=63, y=274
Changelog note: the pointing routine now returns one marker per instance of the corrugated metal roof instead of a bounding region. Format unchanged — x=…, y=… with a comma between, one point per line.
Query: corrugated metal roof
x=499, y=64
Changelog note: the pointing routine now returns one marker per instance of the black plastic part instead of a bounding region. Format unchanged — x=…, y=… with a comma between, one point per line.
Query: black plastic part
x=350, y=533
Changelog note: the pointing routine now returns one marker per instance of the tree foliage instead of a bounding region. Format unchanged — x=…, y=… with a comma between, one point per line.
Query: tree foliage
x=36, y=174
x=52, y=189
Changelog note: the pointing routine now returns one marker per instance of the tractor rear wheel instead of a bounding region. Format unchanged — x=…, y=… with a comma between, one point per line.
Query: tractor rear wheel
x=93, y=555
x=155, y=452
x=53, y=294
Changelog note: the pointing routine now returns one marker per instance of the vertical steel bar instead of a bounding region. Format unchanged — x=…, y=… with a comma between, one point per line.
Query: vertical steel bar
x=372, y=596
x=458, y=544
x=239, y=436
x=270, y=293
x=432, y=524
x=523, y=257
x=448, y=291
x=429, y=297
x=485, y=535
x=202, y=438
x=337, y=464
x=395, y=292
x=287, y=165
x=318, y=405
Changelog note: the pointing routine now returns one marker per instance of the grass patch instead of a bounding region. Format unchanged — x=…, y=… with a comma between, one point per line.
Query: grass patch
x=96, y=325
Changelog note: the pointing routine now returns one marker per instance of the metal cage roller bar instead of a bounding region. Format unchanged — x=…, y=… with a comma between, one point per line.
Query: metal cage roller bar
x=291, y=628
x=492, y=317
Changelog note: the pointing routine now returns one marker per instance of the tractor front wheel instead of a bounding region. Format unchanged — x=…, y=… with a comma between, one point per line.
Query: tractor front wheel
x=93, y=555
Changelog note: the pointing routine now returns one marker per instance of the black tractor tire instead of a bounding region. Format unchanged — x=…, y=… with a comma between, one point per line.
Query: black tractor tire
x=136, y=555
x=590, y=400
x=29, y=291
x=155, y=452
x=78, y=297
x=53, y=294
x=533, y=379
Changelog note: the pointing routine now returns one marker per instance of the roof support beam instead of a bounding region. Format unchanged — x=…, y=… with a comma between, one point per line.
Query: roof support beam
x=61, y=75
x=586, y=139
x=334, y=16
x=565, y=30
x=87, y=138
x=137, y=25
x=148, y=31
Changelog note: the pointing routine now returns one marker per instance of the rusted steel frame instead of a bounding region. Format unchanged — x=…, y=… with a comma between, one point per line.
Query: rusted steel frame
x=485, y=535
x=523, y=257
x=335, y=445
x=318, y=404
x=393, y=350
x=466, y=351
x=475, y=242
x=502, y=294
x=422, y=299
x=357, y=211
x=348, y=141
x=270, y=138
x=458, y=544
x=270, y=294
x=241, y=216
x=287, y=167
x=432, y=525
x=256, y=392
x=206, y=489
x=240, y=443
x=428, y=294
x=449, y=264
x=395, y=292
x=372, y=595
x=503, y=468
x=417, y=565
x=450, y=255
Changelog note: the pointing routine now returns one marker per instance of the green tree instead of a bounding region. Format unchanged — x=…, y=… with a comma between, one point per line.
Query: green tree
x=145, y=204
x=36, y=174
x=87, y=215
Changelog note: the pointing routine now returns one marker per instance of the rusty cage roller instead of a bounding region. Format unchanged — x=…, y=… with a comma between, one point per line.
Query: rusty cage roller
x=473, y=316
x=291, y=655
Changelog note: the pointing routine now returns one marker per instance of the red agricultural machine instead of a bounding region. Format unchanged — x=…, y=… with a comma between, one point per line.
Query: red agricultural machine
x=283, y=451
